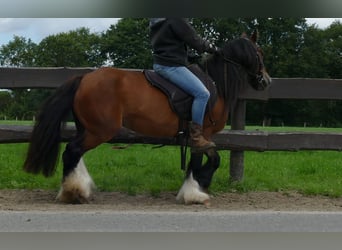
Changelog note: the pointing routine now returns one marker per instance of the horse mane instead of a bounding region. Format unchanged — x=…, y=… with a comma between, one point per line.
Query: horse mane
x=240, y=52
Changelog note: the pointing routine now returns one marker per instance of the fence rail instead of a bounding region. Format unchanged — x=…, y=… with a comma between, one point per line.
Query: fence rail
x=281, y=88
x=225, y=140
x=237, y=140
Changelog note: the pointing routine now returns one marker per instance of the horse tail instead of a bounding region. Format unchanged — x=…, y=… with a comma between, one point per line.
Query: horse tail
x=45, y=139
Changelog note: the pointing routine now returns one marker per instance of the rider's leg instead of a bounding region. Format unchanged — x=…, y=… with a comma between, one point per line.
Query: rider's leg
x=186, y=80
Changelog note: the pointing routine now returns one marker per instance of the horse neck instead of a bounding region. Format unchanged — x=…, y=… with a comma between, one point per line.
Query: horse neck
x=227, y=77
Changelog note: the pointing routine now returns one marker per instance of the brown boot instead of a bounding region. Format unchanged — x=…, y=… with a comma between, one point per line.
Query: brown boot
x=198, y=142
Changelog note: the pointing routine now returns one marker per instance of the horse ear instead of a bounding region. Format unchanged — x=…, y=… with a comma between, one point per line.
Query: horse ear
x=254, y=36
x=244, y=35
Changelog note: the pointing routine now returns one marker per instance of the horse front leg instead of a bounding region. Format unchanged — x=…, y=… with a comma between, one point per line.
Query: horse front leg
x=198, y=178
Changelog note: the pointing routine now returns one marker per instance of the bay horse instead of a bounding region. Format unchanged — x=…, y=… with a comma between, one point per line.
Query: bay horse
x=106, y=99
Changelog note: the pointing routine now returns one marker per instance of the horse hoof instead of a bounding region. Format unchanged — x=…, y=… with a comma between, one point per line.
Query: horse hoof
x=72, y=197
x=206, y=202
x=195, y=198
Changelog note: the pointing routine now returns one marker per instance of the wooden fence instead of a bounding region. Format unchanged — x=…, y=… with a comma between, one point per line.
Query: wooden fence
x=237, y=140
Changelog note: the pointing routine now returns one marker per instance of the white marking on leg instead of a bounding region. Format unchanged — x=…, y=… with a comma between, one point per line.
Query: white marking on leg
x=77, y=186
x=190, y=192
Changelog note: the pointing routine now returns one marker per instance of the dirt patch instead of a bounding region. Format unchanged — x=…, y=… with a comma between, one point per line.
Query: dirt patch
x=41, y=200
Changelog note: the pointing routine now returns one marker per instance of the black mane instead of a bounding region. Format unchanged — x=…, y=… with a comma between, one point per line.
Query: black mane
x=238, y=58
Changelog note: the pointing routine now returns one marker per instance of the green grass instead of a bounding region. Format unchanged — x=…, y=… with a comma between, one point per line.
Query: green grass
x=141, y=169
x=309, y=172
x=14, y=122
x=12, y=175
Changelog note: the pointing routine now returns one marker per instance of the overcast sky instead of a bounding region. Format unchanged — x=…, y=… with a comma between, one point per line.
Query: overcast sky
x=38, y=28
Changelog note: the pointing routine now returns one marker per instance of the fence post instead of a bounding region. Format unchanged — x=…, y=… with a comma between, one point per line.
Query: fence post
x=238, y=116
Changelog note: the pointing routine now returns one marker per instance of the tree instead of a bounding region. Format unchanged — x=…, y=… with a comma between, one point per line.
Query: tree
x=221, y=30
x=333, y=49
x=5, y=103
x=127, y=44
x=78, y=48
x=19, y=52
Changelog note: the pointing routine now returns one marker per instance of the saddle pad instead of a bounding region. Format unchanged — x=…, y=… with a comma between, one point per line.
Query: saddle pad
x=179, y=100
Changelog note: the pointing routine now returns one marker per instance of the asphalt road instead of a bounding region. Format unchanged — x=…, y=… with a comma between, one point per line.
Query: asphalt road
x=135, y=221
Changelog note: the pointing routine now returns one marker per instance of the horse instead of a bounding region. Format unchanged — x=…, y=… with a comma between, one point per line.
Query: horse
x=107, y=99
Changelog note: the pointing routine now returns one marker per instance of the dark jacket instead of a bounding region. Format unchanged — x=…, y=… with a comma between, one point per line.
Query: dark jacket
x=170, y=38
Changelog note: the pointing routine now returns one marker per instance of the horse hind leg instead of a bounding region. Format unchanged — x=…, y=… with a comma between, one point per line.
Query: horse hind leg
x=77, y=185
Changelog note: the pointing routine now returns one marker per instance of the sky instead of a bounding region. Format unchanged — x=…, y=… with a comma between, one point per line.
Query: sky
x=38, y=28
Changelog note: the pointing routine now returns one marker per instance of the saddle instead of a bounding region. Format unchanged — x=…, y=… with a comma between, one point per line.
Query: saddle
x=179, y=100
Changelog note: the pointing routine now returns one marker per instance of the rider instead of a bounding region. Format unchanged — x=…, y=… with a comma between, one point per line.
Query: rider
x=170, y=38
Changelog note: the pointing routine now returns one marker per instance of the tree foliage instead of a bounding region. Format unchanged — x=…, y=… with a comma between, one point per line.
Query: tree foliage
x=19, y=52
x=78, y=48
x=292, y=49
x=127, y=44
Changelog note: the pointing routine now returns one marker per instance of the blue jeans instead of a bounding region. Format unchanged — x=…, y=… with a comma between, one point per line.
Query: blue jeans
x=186, y=80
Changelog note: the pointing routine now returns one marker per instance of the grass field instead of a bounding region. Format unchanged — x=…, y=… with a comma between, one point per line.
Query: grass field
x=141, y=169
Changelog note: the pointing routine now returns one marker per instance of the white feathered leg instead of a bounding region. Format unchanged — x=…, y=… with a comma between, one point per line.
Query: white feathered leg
x=191, y=193
x=77, y=186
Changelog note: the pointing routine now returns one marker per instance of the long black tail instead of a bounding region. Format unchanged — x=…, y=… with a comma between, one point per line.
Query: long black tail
x=44, y=147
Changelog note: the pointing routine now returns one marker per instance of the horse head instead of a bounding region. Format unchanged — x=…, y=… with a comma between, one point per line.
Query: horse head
x=246, y=54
